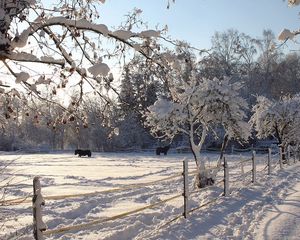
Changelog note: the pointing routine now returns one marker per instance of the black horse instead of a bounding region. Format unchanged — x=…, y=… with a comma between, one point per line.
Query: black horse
x=80, y=152
x=163, y=150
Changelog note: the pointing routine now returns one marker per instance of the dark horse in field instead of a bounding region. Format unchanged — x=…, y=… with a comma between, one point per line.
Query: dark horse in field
x=163, y=150
x=80, y=152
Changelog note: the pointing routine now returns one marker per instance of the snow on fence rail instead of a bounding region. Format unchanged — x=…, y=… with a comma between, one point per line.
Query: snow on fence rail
x=257, y=149
x=38, y=200
x=101, y=220
x=16, y=201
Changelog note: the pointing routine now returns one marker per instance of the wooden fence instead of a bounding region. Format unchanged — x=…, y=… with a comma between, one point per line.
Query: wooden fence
x=38, y=201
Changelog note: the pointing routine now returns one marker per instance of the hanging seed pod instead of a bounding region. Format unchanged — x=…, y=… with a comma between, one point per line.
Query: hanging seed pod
x=71, y=118
x=9, y=109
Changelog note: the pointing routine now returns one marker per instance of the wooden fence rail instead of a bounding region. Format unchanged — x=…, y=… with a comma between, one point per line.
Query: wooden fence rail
x=40, y=231
x=16, y=201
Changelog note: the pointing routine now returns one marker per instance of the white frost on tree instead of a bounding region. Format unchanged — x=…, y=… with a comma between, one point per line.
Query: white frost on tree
x=279, y=119
x=99, y=69
x=65, y=42
x=197, y=107
x=22, y=77
x=287, y=34
x=293, y=2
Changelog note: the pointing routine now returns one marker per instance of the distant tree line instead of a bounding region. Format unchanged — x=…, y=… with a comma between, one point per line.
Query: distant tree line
x=263, y=68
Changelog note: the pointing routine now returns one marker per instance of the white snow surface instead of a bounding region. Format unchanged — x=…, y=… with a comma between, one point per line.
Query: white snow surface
x=268, y=209
x=285, y=34
x=150, y=33
x=22, y=77
x=125, y=35
x=282, y=220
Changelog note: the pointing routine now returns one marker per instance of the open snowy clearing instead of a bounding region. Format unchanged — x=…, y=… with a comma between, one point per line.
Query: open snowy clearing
x=235, y=217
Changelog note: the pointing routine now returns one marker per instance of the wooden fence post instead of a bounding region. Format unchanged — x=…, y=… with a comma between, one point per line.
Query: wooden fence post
x=37, y=201
x=288, y=154
x=253, y=167
x=280, y=157
x=185, y=187
x=242, y=164
x=269, y=161
x=226, y=177
x=294, y=154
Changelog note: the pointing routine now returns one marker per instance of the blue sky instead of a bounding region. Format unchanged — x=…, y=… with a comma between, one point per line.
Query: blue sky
x=196, y=20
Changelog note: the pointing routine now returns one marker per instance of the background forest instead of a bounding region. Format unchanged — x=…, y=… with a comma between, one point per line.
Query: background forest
x=260, y=64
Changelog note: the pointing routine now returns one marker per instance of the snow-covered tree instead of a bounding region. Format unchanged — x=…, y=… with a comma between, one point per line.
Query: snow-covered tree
x=279, y=119
x=226, y=50
x=286, y=76
x=140, y=85
x=46, y=45
x=12, y=112
x=286, y=34
x=198, y=106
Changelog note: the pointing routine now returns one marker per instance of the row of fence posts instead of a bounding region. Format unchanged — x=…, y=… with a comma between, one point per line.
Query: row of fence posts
x=226, y=174
x=38, y=201
x=186, y=184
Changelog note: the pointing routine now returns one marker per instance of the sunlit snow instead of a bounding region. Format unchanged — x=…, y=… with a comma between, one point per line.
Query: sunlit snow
x=238, y=216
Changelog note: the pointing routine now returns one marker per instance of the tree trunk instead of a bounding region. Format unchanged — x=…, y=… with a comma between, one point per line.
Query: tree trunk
x=201, y=180
x=62, y=142
x=194, y=154
x=11, y=9
x=282, y=147
x=224, y=144
x=280, y=144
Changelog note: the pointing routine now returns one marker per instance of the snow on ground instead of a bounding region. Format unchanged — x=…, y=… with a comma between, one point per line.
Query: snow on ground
x=282, y=220
x=248, y=213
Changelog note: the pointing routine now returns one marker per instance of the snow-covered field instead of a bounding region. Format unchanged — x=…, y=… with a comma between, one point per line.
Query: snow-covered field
x=245, y=214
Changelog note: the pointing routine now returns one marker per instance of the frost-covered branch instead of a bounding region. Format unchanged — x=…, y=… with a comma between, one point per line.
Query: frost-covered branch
x=206, y=105
x=287, y=34
x=277, y=118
